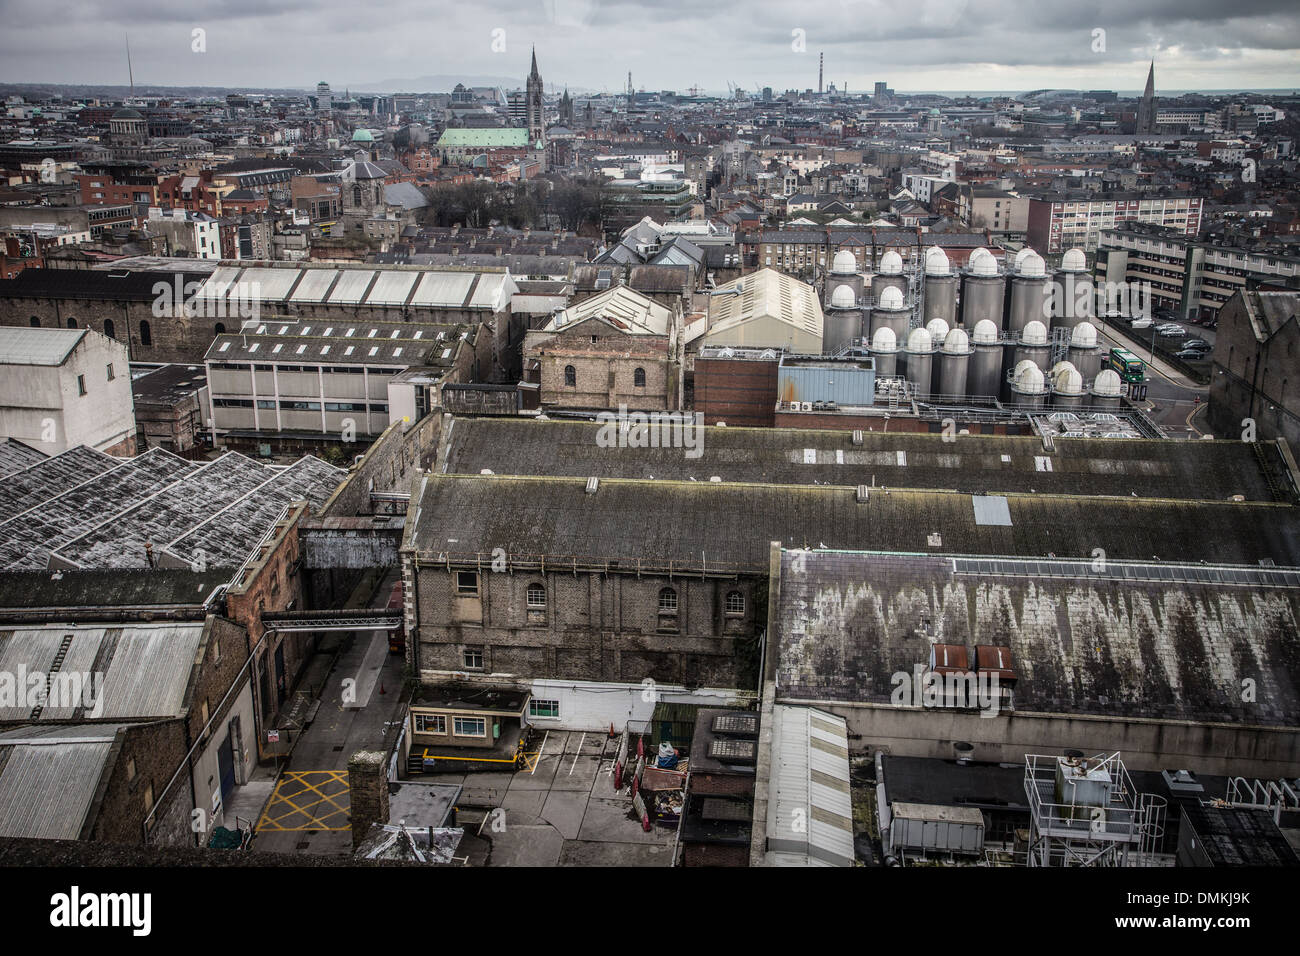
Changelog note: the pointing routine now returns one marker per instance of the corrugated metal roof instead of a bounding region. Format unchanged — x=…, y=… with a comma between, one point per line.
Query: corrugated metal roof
x=147, y=675
x=19, y=346
x=352, y=285
x=150, y=671
x=447, y=289
x=391, y=288
x=218, y=284
x=810, y=811
x=314, y=285
x=49, y=779
x=267, y=284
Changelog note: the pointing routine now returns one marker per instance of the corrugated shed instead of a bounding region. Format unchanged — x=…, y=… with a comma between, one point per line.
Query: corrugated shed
x=314, y=285
x=443, y=289
x=147, y=673
x=392, y=288
x=49, y=779
x=810, y=810
x=267, y=284
x=26, y=651
x=150, y=671
x=352, y=285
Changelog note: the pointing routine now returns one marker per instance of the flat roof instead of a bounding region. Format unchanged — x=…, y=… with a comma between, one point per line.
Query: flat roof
x=978, y=464
x=1137, y=639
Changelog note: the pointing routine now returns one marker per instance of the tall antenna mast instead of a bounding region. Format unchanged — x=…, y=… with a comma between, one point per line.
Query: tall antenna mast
x=129, y=72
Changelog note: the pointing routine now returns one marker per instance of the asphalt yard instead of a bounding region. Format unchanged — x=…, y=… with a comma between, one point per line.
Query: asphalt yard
x=563, y=811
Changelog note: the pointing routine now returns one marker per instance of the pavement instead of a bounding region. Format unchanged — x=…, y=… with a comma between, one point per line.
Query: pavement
x=360, y=701
x=564, y=812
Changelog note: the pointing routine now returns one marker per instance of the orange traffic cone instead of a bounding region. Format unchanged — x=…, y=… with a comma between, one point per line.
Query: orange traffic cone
x=611, y=730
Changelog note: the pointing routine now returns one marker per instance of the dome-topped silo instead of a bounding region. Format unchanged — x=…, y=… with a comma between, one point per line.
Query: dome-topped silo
x=1074, y=299
x=939, y=285
x=920, y=359
x=884, y=347
x=982, y=289
x=1030, y=292
x=984, y=376
x=952, y=364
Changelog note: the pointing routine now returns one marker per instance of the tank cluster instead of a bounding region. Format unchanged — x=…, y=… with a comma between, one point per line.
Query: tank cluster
x=985, y=332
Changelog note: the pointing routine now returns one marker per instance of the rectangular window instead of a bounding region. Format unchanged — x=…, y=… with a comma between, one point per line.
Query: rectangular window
x=467, y=582
x=473, y=658
x=111, y=376
x=430, y=724
x=470, y=727
x=81, y=385
x=543, y=708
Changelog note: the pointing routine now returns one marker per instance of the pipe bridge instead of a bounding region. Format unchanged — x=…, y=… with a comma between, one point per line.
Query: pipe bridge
x=359, y=619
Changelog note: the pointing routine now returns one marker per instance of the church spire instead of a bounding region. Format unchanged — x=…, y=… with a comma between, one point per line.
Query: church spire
x=534, y=72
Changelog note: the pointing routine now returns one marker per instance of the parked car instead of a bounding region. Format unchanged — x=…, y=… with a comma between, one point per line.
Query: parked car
x=1170, y=331
x=1139, y=324
x=1192, y=355
x=1198, y=344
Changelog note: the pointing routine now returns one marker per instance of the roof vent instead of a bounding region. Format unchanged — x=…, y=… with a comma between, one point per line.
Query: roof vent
x=864, y=492
x=857, y=436
x=715, y=478
x=592, y=484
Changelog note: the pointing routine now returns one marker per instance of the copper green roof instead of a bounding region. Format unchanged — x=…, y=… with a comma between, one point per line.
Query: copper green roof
x=485, y=138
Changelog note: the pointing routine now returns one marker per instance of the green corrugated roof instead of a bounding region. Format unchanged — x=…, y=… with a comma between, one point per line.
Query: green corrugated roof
x=484, y=137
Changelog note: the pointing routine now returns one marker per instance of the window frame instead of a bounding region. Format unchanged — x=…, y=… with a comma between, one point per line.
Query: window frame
x=553, y=705
x=727, y=604
x=668, y=606
x=476, y=652
x=533, y=588
x=461, y=589
x=427, y=719
x=457, y=722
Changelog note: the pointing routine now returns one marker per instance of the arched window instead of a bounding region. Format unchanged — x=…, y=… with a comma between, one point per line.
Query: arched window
x=536, y=596
x=109, y=329
x=72, y=323
x=570, y=376
x=36, y=322
x=735, y=603
x=638, y=377
x=356, y=195
x=667, y=601
x=221, y=328
x=146, y=334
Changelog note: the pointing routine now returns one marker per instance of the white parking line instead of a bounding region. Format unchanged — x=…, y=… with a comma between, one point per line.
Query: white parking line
x=540, y=750
x=578, y=753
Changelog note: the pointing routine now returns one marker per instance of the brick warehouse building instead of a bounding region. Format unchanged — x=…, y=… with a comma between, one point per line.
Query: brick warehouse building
x=123, y=302
x=584, y=589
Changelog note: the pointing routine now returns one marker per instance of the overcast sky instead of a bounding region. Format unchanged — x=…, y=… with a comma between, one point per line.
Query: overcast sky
x=667, y=44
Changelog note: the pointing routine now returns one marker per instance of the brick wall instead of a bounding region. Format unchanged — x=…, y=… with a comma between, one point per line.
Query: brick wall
x=593, y=627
